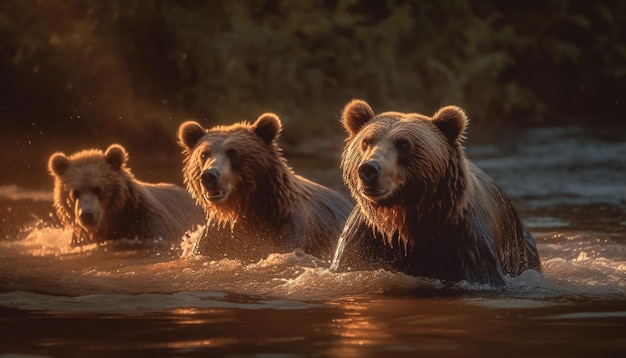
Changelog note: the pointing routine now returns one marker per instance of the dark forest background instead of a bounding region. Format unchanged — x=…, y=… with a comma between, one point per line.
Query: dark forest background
x=129, y=68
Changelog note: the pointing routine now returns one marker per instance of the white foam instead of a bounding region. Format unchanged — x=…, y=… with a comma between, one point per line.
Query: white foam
x=45, y=241
x=581, y=267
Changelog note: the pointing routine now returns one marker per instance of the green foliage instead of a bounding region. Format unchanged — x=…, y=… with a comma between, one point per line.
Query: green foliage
x=105, y=65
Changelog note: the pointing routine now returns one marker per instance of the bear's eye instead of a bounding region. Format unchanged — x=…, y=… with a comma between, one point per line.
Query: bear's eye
x=366, y=143
x=232, y=154
x=75, y=194
x=403, y=145
x=205, y=154
x=97, y=190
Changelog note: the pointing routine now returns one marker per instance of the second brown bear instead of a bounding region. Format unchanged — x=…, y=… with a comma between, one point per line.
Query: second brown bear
x=255, y=204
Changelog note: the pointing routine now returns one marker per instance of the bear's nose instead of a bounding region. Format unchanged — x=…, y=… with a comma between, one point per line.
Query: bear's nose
x=87, y=218
x=369, y=172
x=209, y=178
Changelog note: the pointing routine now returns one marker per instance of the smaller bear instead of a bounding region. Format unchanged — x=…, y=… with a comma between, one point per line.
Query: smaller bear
x=254, y=202
x=422, y=207
x=97, y=196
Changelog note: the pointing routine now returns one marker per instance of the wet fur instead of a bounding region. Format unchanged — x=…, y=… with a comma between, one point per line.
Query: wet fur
x=131, y=209
x=445, y=219
x=270, y=209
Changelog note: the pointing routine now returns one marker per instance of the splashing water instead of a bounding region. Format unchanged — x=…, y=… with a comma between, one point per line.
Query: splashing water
x=44, y=259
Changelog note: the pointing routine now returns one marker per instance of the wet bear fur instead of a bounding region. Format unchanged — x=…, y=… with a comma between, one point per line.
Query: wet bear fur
x=422, y=207
x=97, y=196
x=254, y=203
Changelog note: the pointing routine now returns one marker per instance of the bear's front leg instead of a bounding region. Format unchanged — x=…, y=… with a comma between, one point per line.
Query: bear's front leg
x=358, y=247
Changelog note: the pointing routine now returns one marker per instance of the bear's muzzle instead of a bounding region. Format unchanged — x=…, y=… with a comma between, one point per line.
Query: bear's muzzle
x=87, y=211
x=210, y=181
x=369, y=172
x=373, y=187
x=209, y=178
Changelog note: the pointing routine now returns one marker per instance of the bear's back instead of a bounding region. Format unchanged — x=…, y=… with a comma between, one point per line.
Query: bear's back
x=513, y=243
x=176, y=209
x=318, y=218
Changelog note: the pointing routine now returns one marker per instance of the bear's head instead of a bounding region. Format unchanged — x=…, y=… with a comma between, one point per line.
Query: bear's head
x=89, y=185
x=229, y=169
x=403, y=166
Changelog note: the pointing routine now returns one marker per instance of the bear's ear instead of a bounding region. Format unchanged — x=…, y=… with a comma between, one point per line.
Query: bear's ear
x=452, y=122
x=58, y=163
x=267, y=126
x=116, y=155
x=355, y=114
x=189, y=133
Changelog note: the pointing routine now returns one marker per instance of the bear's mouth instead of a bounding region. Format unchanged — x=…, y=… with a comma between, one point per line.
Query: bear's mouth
x=374, y=193
x=215, y=196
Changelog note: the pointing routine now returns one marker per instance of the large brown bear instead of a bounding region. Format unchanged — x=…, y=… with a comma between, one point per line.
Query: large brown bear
x=255, y=204
x=422, y=207
x=97, y=196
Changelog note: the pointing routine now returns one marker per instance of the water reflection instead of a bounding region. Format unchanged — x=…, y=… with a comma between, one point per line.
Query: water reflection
x=379, y=326
x=356, y=329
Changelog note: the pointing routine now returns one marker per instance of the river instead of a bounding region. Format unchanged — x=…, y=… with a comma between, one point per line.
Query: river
x=569, y=184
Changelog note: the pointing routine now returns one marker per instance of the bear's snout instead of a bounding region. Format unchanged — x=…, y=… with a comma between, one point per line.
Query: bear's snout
x=214, y=190
x=369, y=172
x=87, y=218
x=87, y=211
x=210, y=178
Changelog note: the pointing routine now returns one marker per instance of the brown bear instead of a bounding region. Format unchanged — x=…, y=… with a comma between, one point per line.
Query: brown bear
x=97, y=196
x=254, y=202
x=422, y=207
